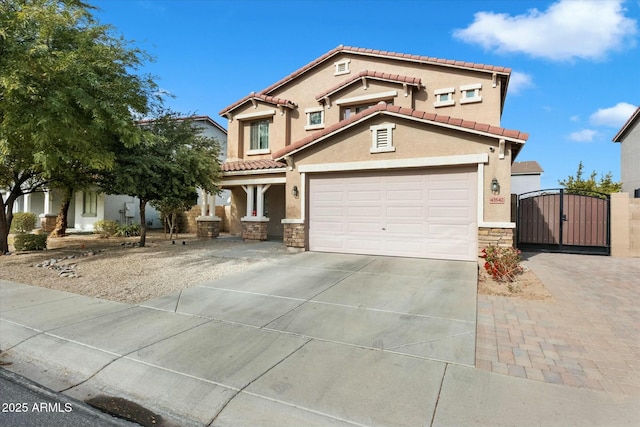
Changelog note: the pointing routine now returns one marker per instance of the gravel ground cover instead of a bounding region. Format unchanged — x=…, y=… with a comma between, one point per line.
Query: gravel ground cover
x=116, y=269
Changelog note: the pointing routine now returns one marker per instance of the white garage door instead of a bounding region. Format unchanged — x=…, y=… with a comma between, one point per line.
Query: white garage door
x=423, y=213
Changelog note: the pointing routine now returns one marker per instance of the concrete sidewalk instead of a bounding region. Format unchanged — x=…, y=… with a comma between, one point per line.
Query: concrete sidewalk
x=271, y=360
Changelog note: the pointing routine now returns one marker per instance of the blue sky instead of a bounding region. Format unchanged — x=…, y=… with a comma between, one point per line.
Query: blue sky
x=575, y=64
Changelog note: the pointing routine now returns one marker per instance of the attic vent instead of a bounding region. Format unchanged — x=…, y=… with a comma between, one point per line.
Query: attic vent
x=382, y=138
x=342, y=67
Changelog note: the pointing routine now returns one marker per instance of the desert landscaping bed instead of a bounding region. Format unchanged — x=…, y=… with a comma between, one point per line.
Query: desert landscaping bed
x=116, y=269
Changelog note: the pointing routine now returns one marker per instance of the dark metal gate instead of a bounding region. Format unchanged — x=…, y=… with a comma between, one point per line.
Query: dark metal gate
x=564, y=220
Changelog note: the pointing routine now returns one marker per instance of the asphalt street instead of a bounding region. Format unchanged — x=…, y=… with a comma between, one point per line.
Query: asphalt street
x=27, y=404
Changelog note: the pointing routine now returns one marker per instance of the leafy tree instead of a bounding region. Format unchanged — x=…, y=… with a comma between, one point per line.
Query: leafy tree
x=578, y=184
x=171, y=162
x=67, y=89
x=172, y=207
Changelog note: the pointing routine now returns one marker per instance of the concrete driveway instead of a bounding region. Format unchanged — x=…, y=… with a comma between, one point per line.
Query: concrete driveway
x=310, y=339
x=419, y=307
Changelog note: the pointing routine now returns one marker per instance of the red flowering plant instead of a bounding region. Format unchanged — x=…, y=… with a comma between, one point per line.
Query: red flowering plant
x=502, y=263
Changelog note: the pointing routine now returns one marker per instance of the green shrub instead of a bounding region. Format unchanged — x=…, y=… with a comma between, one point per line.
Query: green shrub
x=502, y=263
x=23, y=222
x=105, y=228
x=30, y=242
x=128, y=230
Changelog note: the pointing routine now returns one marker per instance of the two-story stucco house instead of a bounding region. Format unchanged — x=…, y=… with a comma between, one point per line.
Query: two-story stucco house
x=373, y=152
x=629, y=138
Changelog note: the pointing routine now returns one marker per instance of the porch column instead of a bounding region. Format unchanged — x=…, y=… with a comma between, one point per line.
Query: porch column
x=212, y=205
x=48, y=218
x=26, y=202
x=260, y=209
x=48, y=203
x=203, y=206
x=249, y=189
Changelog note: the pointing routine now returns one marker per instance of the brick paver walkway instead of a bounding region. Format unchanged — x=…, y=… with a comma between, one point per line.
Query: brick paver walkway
x=588, y=337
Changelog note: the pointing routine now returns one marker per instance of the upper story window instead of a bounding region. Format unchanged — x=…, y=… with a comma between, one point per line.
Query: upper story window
x=382, y=138
x=342, y=67
x=470, y=93
x=315, y=118
x=354, y=109
x=259, y=137
x=444, y=97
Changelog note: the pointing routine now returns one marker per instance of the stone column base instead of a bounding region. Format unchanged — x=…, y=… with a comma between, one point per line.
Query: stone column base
x=294, y=234
x=254, y=229
x=208, y=226
x=48, y=222
x=502, y=237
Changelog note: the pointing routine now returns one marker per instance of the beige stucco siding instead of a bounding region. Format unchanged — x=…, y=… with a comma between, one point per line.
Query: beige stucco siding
x=411, y=140
x=290, y=127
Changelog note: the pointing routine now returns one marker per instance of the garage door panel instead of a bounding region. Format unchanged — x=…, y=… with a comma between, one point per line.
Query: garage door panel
x=409, y=229
x=404, y=195
x=420, y=213
x=364, y=196
x=408, y=212
x=368, y=228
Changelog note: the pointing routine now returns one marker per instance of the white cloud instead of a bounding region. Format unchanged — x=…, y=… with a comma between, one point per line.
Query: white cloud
x=584, y=135
x=519, y=82
x=567, y=30
x=575, y=118
x=614, y=117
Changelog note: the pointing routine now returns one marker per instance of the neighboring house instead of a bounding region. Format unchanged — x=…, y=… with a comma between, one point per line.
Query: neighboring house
x=88, y=207
x=525, y=177
x=373, y=152
x=629, y=139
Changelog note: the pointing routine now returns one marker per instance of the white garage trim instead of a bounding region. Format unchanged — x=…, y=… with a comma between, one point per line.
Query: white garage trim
x=464, y=159
x=423, y=213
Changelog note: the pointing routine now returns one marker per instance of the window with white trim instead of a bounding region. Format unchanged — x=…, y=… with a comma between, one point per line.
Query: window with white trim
x=382, y=138
x=259, y=136
x=342, y=67
x=315, y=118
x=444, y=97
x=470, y=93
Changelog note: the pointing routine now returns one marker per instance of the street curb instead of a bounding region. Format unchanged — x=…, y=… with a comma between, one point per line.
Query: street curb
x=78, y=405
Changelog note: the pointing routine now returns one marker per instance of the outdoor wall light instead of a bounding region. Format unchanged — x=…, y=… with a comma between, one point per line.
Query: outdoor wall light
x=495, y=186
x=294, y=191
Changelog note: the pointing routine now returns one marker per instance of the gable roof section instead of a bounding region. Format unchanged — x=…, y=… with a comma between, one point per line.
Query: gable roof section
x=526, y=168
x=205, y=119
x=254, y=97
x=373, y=75
x=627, y=126
x=252, y=165
x=392, y=110
x=380, y=54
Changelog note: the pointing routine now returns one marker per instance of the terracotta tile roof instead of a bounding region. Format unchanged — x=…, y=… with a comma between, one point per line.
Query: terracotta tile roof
x=382, y=108
x=528, y=167
x=382, y=53
x=376, y=75
x=251, y=165
x=378, y=53
x=259, y=97
x=634, y=118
